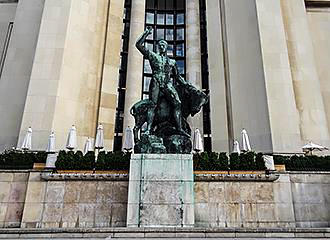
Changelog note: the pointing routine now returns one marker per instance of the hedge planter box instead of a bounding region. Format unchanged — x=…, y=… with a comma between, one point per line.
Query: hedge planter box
x=280, y=167
x=232, y=172
x=39, y=166
x=111, y=172
x=76, y=171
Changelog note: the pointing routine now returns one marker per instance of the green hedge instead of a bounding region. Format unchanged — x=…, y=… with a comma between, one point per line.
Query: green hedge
x=105, y=161
x=220, y=162
x=75, y=161
x=113, y=161
x=304, y=163
x=21, y=160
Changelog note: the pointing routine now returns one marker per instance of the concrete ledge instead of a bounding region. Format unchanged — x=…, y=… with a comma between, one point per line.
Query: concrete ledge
x=255, y=233
x=124, y=177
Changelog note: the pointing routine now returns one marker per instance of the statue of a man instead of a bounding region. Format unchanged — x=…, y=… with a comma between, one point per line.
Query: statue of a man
x=162, y=67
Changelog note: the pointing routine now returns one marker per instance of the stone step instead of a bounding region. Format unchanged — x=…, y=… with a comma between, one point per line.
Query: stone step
x=166, y=233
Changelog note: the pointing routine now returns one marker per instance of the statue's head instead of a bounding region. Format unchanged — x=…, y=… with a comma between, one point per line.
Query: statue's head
x=162, y=46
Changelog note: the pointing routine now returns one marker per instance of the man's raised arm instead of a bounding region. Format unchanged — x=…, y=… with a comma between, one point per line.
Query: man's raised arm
x=141, y=40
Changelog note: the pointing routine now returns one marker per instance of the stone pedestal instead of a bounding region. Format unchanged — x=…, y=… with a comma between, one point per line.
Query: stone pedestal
x=161, y=191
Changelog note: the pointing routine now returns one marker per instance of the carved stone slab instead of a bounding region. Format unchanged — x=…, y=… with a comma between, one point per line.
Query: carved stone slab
x=161, y=191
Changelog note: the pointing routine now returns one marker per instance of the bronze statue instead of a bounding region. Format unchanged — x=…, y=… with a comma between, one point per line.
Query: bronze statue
x=171, y=101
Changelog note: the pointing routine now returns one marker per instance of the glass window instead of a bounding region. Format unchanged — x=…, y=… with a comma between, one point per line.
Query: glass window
x=180, y=50
x=150, y=46
x=147, y=67
x=180, y=64
x=180, y=4
x=146, y=84
x=151, y=36
x=169, y=19
x=169, y=34
x=150, y=4
x=180, y=18
x=150, y=18
x=160, y=34
x=169, y=5
x=180, y=34
x=161, y=4
x=145, y=96
x=170, y=50
x=160, y=19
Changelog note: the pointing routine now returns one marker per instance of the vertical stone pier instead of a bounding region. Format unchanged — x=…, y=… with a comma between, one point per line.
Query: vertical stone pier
x=161, y=191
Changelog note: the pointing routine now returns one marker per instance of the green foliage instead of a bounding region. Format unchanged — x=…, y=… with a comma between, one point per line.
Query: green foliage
x=21, y=160
x=75, y=161
x=113, y=161
x=247, y=161
x=234, y=161
x=220, y=162
x=260, y=163
x=304, y=163
x=210, y=161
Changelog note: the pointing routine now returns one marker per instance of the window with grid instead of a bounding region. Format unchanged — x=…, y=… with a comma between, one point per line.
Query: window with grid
x=118, y=138
x=167, y=19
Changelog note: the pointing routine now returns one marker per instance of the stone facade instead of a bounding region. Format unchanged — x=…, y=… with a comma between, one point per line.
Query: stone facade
x=266, y=64
x=294, y=200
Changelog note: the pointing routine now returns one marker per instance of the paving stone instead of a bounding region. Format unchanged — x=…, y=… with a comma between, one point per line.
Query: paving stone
x=201, y=190
x=88, y=192
x=216, y=192
x=17, y=192
x=264, y=192
x=5, y=192
x=14, y=212
x=55, y=192
x=73, y=189
x=232, y=192
x=20, y=177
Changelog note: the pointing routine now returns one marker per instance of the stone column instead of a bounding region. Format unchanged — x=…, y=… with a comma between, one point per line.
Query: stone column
x=278, y=79
x=110, y=76
x=313, y=124
x=218, y=107
x=193, y=55
x=135, y=62
x=17, y=70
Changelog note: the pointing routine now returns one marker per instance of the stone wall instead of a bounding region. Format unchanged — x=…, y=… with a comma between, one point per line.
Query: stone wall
x=12, y=197
x=70, y=204
x=294, y=200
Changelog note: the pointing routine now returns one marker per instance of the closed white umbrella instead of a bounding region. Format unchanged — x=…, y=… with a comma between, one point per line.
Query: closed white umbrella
x=129, y=139
x=27, y=141
x=51, y=143
x=71, y=142
x=245, y=141
x=88, y=146
x=236, y=147
x=310, y=147
x=197, y=141
x=99, y=140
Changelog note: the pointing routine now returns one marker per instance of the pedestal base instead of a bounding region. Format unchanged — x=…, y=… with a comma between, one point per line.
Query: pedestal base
x=161, y=191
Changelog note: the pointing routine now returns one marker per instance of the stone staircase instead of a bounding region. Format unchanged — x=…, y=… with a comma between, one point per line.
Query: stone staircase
x=167, y=233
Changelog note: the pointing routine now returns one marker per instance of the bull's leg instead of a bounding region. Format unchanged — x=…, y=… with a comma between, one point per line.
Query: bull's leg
x=136, y=133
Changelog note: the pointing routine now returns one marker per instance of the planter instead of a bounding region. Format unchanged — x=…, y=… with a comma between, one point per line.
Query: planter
x=280, y=168
x=232, y=172
x=111, y=172
x=39, y=166
x=76, y=171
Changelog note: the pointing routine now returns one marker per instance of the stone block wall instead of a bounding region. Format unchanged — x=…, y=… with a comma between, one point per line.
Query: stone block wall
x=294, y=200
x=12, y=197
x=244, y=204
x=311, y=199
x=70, y=204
